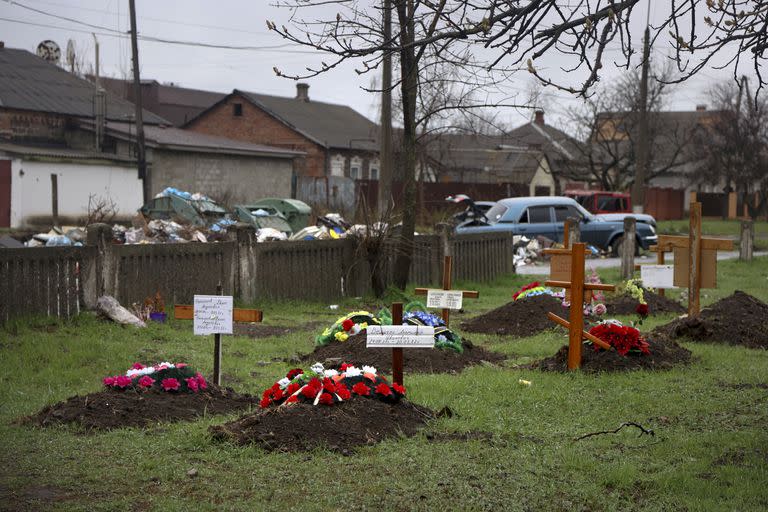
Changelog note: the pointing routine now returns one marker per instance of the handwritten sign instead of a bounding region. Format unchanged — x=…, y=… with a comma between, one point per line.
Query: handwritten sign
x=400, y=336
x=657, y=276
x=444, y=299
x=212, y=314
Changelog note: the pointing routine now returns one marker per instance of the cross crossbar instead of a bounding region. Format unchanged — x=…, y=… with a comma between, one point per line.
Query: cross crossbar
x=587, y=286
x=467, y=294
x=667, y=243
x=591, y=337
x=186, y=312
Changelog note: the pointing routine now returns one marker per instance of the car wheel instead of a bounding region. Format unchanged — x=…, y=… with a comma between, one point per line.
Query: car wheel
x=615, y=246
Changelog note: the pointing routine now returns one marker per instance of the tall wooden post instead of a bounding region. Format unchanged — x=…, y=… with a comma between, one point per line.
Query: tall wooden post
x=576, y=316
x=628, y=248
x=397, y=353
x=217, y=349
x=447, y=270
x=55, y=200
x=574, y=231
x=747, y=241
x=694, y=259
x=566, y=234
x=141, y=155
x=660, y=261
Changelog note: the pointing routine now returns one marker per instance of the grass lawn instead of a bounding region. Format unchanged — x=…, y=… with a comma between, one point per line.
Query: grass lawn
x=713, y=227
x=709, y=452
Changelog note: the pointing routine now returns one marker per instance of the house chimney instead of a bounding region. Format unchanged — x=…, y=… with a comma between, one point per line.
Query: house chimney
x=701, y=108
x=302, y=92
x=539, y=119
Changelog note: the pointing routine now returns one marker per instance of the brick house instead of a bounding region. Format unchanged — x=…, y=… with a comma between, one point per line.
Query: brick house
x=337, y=140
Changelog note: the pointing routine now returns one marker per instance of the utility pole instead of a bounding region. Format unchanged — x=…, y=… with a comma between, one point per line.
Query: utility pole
x=141, y=150
x=642, y=153
x=385, y=157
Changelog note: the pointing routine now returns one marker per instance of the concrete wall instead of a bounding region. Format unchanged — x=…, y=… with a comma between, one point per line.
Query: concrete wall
x=31, y=190
x=233, y=178
x=542, y=178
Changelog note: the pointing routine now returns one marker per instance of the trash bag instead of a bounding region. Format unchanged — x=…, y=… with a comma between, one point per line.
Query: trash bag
x=108, y=306
x=58, y=241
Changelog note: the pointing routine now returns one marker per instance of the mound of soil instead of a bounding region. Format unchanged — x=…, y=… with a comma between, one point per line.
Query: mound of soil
x=626, y=304
x=259, y=330
x=664, y=354
x=340, y=427
x=524, y=317
x=416, y=360
x=115, y=409
x=739, y=319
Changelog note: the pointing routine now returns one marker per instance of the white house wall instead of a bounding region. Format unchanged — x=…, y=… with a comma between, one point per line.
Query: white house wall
x=31, y=190
x=542, y=178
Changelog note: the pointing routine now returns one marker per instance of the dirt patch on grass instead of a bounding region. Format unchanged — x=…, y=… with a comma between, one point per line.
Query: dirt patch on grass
x=259, y=330
x=664, y=354
x=416, y=360
x=627, y=305
x=110, y=409
x=739, y=319
x=524, y=317
x=340, y=427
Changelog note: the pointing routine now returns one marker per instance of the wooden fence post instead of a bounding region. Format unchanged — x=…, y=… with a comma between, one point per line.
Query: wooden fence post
x=99, y=236
x=627, y=249
x=747, y=240
x=574, y=231
x=694, y=259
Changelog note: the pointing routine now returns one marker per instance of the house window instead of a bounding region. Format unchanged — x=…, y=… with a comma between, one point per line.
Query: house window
x=355, y=168
x=374, y=173
x=337, y=165
x=373, y=169
x=237, y=109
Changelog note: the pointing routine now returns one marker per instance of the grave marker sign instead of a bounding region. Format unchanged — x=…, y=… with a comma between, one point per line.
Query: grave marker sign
x=446, y=298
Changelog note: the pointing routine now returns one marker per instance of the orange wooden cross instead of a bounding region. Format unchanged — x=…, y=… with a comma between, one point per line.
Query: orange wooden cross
x=577, y=287
x=447, y=270
x=560, y=268
x=695, y=258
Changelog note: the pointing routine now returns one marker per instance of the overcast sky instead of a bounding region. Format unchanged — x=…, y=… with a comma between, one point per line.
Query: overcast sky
x=242, y=23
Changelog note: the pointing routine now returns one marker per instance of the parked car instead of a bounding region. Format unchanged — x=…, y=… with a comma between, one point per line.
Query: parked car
x=545, y=216
x=473, y=210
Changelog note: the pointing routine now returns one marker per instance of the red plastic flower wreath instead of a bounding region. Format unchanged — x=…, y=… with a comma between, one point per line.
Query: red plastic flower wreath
x=347, y=324
x=361, y=389
x=383, y=389
x=293, y=373
x=623, y=338
x=326, y=399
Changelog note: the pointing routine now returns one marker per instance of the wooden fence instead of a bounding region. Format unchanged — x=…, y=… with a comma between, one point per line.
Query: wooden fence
x=59, y=281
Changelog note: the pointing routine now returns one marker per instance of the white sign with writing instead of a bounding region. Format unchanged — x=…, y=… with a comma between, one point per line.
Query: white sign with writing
x=657, y=276
x=403, y=336
x=444, y=299
x=213, y=314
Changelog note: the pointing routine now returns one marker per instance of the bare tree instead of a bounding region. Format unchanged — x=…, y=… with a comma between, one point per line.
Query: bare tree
x=506, y=36
x=735, y=145
x=608, y=123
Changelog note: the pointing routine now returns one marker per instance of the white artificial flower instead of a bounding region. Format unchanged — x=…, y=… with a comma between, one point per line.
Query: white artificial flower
x=352, y=371
x=369, y=369
x=132, y=373
x=165, y=363
x=144, y=371
x=355, y=330
x=283, y=383
x=317, y=368
x=330, y=373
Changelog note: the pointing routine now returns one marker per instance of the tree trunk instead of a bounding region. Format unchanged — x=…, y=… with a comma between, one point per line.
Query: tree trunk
x=409, y=88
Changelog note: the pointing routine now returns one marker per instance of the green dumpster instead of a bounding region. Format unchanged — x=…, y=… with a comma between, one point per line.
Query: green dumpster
x=295, y=212
x=254, y=215
x=173, y=207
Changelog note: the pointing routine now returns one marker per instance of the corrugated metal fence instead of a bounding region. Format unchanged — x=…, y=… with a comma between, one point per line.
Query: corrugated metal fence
x=59, y=281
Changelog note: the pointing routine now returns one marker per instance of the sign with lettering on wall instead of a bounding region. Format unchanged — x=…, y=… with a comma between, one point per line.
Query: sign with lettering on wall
x=213, y=314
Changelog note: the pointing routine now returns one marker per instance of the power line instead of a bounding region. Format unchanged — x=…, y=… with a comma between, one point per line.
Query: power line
x=120, y=35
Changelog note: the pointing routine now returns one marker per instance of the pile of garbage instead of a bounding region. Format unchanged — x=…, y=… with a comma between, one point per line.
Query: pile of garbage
x=68, y=236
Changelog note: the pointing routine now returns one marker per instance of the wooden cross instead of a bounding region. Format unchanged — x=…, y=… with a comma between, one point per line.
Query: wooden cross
x=186, y=312
x=560, y=268
x=695, y=258
x=447, y=270
x=397, y=352
x=577, y=287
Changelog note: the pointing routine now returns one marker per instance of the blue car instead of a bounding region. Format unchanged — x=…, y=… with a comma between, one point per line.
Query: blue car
x=545, y=216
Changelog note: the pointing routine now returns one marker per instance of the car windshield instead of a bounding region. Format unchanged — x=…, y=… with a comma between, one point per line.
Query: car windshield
x=496, y=212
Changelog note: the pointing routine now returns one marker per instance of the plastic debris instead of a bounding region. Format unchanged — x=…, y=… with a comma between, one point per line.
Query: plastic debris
x=58, y=241
x=270, y=235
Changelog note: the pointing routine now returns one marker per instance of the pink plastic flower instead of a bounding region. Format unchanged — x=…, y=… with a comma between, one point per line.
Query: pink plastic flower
x=201, y=381
x=170, y=384
x=146, y=381
x=109, y=381
x=192, y=384
x=138, y=366
x=181, y=365
x=123, y=381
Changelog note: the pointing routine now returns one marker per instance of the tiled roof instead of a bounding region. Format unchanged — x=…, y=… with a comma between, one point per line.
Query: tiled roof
x=28, y=82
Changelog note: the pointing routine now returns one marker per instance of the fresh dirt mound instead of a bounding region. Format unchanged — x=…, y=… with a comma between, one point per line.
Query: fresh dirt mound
x=627, y=305
x=739, y=319
x=664, y=354
x=524, y=317
x=259, y=330
x=110, y=409
x=416, y=360
x=339, y=427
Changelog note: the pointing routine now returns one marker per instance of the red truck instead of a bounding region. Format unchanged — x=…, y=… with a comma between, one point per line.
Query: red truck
x=601, y=201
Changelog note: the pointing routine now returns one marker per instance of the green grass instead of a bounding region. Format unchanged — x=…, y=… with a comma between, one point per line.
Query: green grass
x=711, y=227
x=710, y=451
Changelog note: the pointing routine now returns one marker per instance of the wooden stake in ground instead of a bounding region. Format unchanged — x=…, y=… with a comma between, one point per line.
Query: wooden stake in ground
x=575, y=324
x=695, y=258
x=186, y=312
x=397, y=352
x=447, y=300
